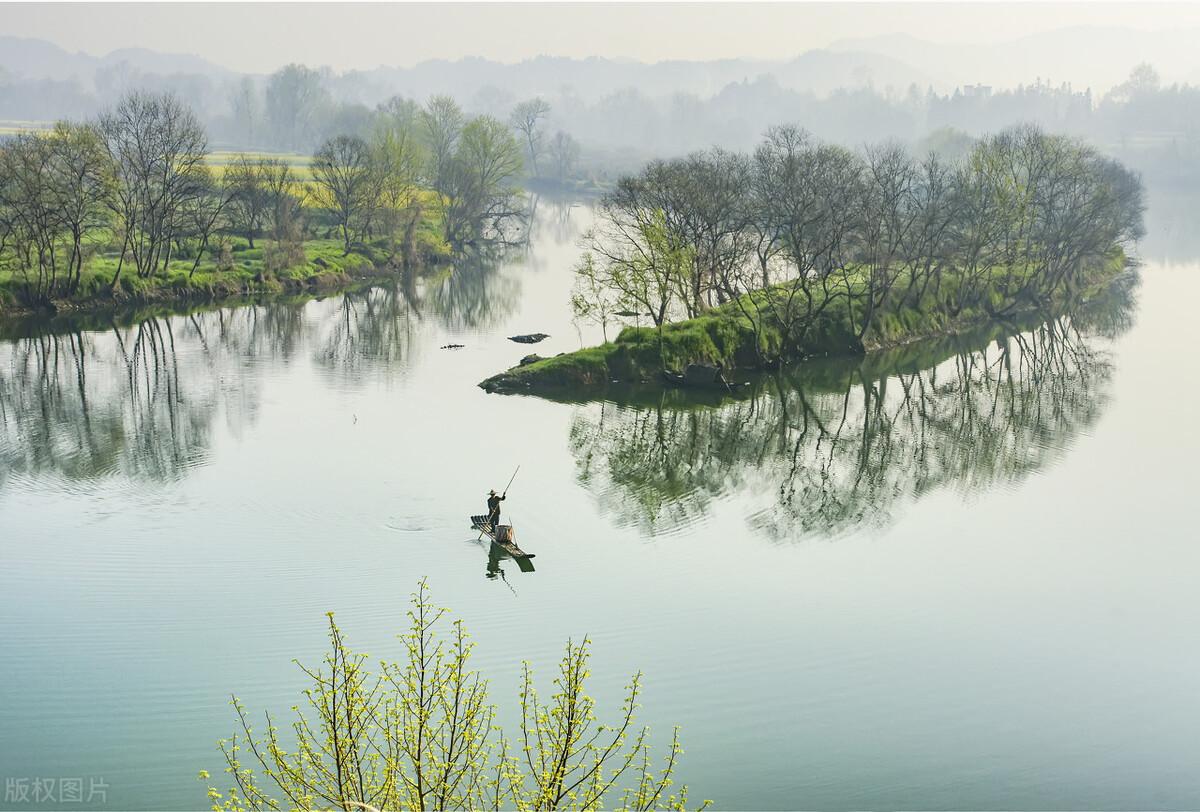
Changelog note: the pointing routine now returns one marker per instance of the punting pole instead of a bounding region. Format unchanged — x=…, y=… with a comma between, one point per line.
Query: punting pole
x=510, y=481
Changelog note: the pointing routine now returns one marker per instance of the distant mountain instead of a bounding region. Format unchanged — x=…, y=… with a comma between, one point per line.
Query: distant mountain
x=818, y=72
x=38, y=59
x=824, y=71
x=1096, y=57
x=1093, y=57
x=489, y=82
x=148, y=61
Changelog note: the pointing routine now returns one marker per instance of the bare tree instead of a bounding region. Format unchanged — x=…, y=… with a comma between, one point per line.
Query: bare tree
x=158, y=148
x=564, y=152
x=526, y=119
x=342, y=175
x=888, y=217
x=203, y=216
x=442, y=121
x=254, y=186
x=246, y=105
x=79, y=185
x=294, y=99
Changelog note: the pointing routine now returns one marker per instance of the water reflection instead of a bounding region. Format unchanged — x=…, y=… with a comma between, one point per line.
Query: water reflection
x=138, y=395
x=1172, y=225
x=475, y=296
x=820, y=449
x=830, y=447
x=85, y=405
x=496, y=556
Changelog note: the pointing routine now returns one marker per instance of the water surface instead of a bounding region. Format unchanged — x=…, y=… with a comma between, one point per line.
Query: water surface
x=958, y=576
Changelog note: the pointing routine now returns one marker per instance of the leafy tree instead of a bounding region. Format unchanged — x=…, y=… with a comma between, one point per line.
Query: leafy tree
x=399, y=160
x=593, y=297
x=633, y=267
x=482, y=182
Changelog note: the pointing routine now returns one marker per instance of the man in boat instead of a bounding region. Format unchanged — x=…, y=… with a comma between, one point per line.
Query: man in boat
x=493, y=504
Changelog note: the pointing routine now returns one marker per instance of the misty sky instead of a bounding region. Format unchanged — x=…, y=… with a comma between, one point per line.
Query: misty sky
x=262, y=37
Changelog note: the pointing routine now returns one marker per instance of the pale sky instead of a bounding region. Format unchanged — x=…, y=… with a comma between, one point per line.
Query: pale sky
x=261, y=37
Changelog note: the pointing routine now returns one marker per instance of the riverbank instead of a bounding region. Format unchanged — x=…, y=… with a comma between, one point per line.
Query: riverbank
x=743, y=336
x=326, y=267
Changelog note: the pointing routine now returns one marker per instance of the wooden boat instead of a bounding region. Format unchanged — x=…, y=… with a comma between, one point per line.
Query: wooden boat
x=502, y=536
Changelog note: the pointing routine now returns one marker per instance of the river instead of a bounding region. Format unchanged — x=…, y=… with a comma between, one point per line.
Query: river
x=960, y=576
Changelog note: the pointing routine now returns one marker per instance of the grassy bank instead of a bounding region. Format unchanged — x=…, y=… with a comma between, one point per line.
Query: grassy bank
x=742, y=335
x=246, y=272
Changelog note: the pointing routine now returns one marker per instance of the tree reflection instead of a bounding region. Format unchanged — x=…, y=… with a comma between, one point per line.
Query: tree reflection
x=829, y=447
x=370, y=333
x=476, y=295
x=91, y=396
x=90, y=404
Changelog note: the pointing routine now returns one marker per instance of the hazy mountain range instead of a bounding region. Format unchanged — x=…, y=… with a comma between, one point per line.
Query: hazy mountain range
x=38, y=59
x=1085, y=57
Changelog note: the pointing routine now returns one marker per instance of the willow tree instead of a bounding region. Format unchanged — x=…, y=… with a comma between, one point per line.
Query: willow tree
x=421, y=734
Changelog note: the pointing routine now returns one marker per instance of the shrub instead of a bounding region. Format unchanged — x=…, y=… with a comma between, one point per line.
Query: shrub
x=420, y=734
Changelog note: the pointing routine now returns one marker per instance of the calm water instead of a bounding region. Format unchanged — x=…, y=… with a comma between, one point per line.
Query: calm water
x=963, y=576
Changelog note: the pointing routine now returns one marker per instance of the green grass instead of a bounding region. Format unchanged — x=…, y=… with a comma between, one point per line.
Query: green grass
x=727, y=338
x=326, y=265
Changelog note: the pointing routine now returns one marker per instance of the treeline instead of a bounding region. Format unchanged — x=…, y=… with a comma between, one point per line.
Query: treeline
x=297, y=108
x=413, y=155
x=806, y=239
x=136, y=187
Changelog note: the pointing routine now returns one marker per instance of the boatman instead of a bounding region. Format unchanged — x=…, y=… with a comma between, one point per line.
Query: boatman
x=494, y=501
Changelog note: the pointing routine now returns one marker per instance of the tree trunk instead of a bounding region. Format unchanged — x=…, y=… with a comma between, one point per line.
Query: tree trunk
x=120, y=263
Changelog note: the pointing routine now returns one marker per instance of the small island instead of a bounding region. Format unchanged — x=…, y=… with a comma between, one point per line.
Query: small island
x=727, y=261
